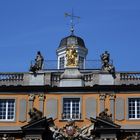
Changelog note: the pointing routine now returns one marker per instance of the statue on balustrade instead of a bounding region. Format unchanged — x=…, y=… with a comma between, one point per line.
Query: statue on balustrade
x=71, y=56
x=35, y=115
x=106, y=66
x=38, y=65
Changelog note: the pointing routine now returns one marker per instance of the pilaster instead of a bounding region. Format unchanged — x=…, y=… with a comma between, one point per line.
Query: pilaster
x=112, y=105
x=102, y=101
x=41, y=102
x=31, y=100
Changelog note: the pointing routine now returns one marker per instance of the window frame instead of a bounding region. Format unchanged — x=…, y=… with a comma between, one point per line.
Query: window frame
x=15, y=108
x=136, y=115
x=62, y=61
x=81, y=62
x=80, y=106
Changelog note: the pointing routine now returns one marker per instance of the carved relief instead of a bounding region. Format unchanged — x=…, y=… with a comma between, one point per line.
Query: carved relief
x=112, y=96
x=31, y=97
x=102, y=96
x=133, y=136
x=41, y=97
x=72, y=132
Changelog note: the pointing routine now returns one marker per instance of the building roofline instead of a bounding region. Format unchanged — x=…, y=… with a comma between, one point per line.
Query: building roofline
x=95, y=88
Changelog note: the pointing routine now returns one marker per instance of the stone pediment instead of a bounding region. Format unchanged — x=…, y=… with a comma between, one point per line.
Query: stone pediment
x=104, y=124
x=38, y=125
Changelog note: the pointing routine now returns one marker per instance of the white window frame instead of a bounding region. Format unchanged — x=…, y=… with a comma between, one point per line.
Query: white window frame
x=6, y=115
x=135, y=107
x=71, y=111
x=62, y=62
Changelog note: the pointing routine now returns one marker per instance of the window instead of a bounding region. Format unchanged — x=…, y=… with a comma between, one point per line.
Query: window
x=7, y=109
x=61, y=63
x=71, y=109
x=134, y=108
x=81, y=62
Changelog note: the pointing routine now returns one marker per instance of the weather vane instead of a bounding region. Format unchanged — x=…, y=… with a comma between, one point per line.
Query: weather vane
x=72, y=17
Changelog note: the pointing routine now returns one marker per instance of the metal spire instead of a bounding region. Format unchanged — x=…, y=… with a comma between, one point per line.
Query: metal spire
x=72, y=17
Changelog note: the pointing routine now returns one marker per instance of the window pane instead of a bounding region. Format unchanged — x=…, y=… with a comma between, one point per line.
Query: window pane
x=61, y=63
x=7, y=109
x=134, y=108
x=71, y=108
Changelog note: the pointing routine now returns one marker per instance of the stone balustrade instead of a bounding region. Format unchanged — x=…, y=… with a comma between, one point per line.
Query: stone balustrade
x=127, y=78
x=11, y=78
x=53, y=78
x=130, y=76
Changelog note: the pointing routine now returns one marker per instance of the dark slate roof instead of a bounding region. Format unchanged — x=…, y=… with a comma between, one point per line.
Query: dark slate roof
x=79, y=41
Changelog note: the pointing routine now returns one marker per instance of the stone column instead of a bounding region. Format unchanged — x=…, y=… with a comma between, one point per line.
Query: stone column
x=102, y=101
x=31, y=101
x=41, y=102
x=112, y=105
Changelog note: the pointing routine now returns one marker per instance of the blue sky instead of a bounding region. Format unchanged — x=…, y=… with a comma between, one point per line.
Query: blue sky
x=27, y=26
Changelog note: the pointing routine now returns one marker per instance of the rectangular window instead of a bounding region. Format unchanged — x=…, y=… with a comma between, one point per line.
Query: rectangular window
x=134, y=108
x=7, y=109
x=81, y=62
x=61, y=63
x=71, y=109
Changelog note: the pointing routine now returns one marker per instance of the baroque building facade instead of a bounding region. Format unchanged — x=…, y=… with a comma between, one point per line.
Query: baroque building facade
x=77, y=100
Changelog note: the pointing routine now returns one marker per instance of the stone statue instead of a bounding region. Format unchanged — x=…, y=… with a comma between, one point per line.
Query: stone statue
x=105, y=115
x=106, y=66
x=71, y=56
x=105, y=57
x=35, y=114
x=38, y=63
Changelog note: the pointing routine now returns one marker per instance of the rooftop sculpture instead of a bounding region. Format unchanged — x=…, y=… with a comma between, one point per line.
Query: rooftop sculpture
x=71, y=56
x=38, y=65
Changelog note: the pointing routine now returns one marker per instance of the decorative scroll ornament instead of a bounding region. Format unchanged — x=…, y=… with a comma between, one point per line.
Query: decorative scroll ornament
x=133, y=136
x=71, y=56
x=72, y=132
